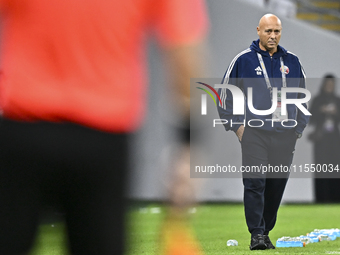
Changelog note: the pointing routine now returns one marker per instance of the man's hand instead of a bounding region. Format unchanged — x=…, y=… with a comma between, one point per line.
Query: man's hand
x=239, y=132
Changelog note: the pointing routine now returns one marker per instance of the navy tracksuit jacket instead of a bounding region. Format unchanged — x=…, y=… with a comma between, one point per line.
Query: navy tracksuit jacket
x=245, y=71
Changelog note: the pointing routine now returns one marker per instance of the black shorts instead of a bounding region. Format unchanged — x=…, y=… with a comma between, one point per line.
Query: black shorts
x=86, y=170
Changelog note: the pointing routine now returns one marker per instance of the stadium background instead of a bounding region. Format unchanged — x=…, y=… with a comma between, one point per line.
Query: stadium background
x=232, y=29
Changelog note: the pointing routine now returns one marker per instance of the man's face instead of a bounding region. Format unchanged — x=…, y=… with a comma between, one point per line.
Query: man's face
x=269, y=31
x=329, y=86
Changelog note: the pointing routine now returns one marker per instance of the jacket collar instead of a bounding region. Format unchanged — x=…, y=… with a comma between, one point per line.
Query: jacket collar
x=280, y=50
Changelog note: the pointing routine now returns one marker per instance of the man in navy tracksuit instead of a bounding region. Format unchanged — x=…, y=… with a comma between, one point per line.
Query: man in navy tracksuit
x=266, y=140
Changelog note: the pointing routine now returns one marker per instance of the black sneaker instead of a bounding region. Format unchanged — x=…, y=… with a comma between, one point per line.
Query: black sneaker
x=257, y=243
x=268, y=242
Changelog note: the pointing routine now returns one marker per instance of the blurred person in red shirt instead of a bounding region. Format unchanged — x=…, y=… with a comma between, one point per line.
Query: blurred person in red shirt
x=73, y=86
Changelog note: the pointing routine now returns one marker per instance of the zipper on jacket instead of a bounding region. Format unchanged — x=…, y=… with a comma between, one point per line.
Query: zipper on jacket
x=271, y=65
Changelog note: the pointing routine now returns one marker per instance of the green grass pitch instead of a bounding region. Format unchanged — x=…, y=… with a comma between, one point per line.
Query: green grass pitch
x=214, y=225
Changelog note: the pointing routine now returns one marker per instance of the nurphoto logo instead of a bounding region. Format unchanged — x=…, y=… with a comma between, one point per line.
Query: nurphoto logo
x=239, y=102
x=204, y=97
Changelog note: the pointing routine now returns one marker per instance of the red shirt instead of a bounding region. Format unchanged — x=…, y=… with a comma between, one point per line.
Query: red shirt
x=83, y=60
